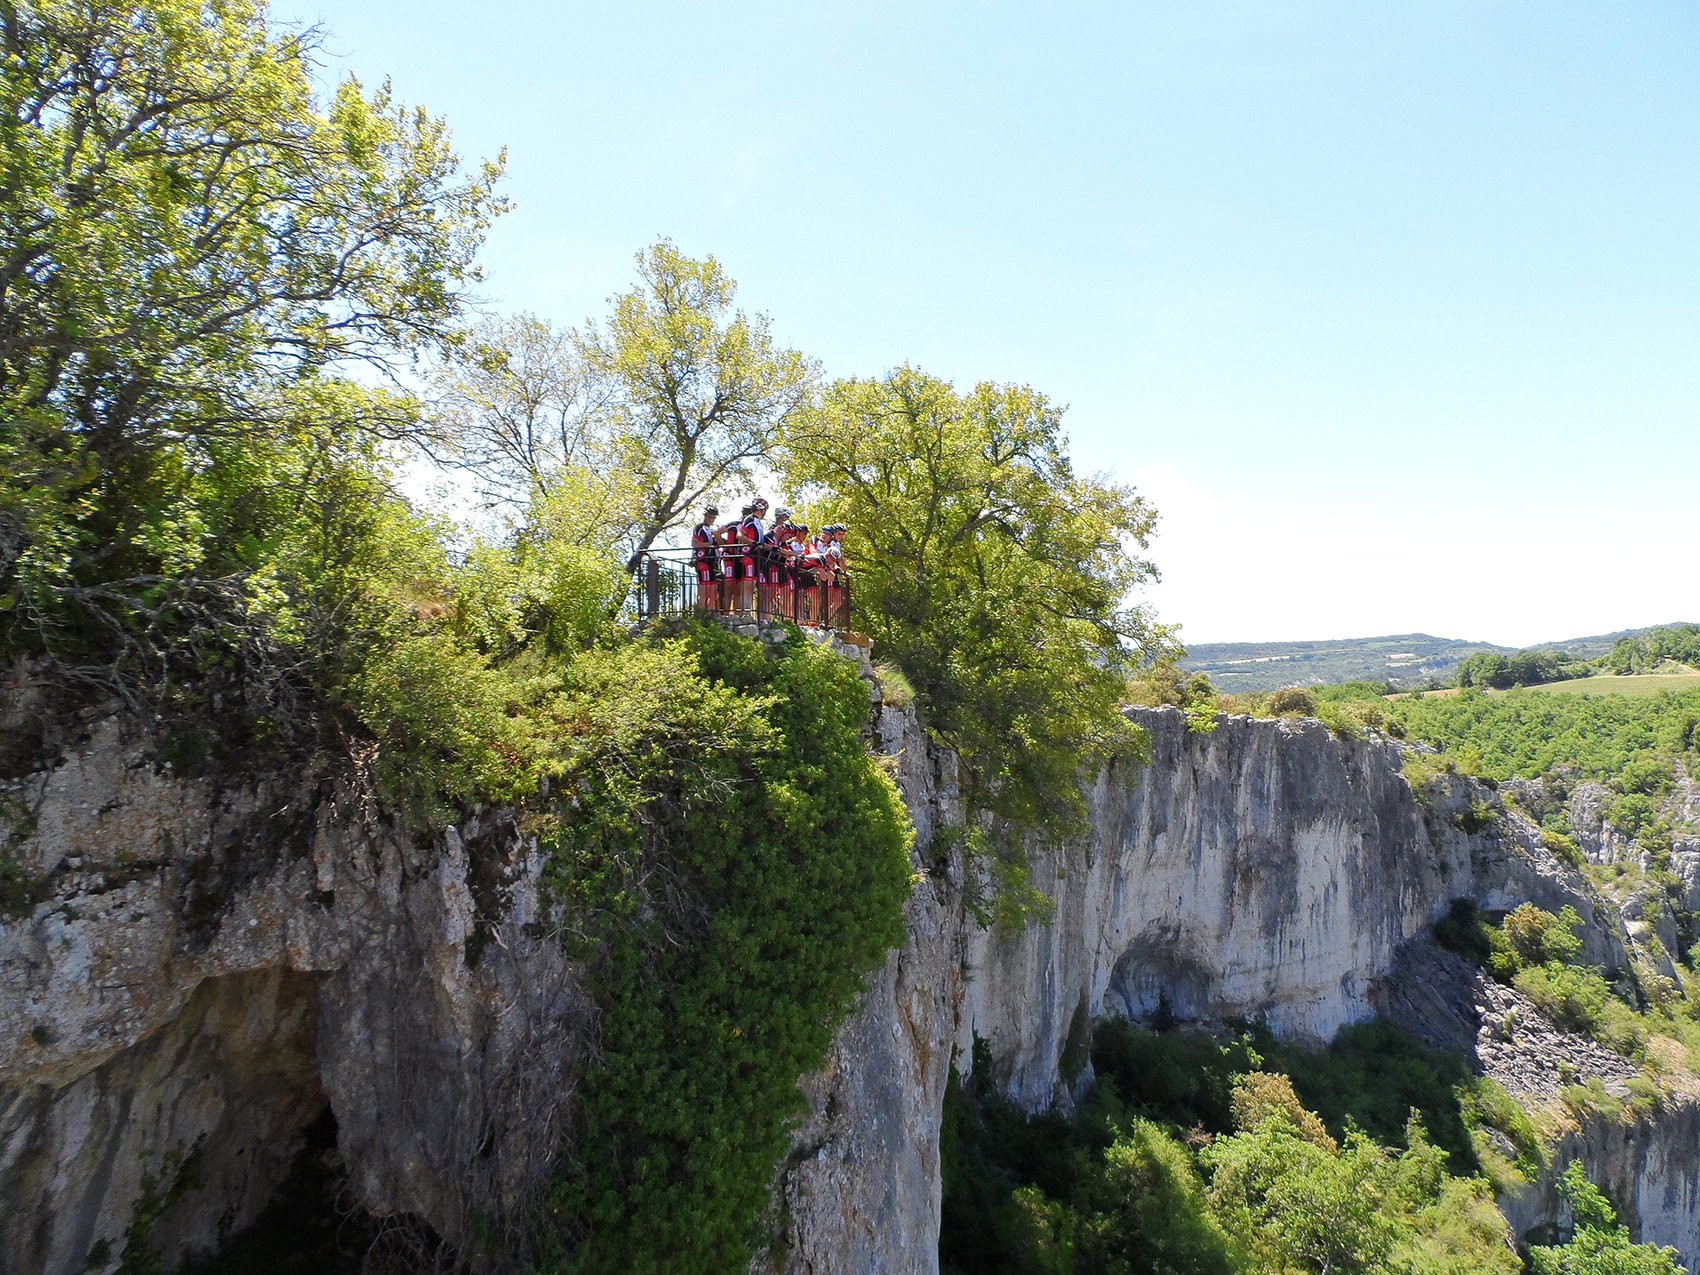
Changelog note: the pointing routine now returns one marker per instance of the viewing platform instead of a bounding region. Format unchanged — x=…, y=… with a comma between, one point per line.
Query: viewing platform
x=667, y=584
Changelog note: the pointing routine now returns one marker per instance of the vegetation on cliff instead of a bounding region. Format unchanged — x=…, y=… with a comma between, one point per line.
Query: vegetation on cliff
x=989, y=572
x=1196, y=1157
x=731, y=868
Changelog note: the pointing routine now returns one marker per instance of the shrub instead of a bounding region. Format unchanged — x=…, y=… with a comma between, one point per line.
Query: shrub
x=1484, y=1103
x=1148, y=1202
x=1210, y=1161
x=1164, y=683
x=1572, y=998
x=1530, y=936
x=1292, y=701
x=1563, y=846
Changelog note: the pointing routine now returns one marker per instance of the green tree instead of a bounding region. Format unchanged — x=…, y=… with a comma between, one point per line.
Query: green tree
x=989, y=571
x=1149, y=1205
x=191, y=247
x=1646, y=650
x=517, y=407
x=673, y=398
x=700, y=389
x=1600, y=1245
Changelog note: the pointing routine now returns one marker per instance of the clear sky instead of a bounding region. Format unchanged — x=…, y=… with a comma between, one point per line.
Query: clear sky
x=1392, y=309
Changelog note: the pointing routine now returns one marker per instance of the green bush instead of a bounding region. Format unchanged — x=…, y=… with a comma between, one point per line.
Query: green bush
x=1529, y=936
x=1573, y=998
x=737, y=862
x=1536, y=952
x=1601, y=1245
x=1292, y=701
x=1198, y=1155
x=1148, y=1204
x=1485, y=1104
x=1165, y=683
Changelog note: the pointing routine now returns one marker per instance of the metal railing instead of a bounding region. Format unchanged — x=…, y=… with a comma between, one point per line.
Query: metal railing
x=668, y=583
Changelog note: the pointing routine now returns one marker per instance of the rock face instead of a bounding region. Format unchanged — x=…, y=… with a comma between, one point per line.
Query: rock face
x=1649, y=1164
x=161, y=1058
x=1652, y=1163
x=1262, y=869
x=207, y=969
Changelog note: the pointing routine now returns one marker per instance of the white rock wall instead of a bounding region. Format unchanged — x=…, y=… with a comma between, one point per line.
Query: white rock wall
x=1265, y=868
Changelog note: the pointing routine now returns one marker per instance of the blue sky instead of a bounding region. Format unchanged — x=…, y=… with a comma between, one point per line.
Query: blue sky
x=1393, y=310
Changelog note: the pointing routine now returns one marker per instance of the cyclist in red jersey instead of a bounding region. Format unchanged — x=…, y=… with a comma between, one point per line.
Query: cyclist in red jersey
x=705, y=557
x=748, y=539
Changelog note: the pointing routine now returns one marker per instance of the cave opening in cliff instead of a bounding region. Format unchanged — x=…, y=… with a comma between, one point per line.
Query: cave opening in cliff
x=311, y=1224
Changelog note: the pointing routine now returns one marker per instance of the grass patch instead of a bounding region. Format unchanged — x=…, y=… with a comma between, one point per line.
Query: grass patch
x=894, y=685
x=1638, y=684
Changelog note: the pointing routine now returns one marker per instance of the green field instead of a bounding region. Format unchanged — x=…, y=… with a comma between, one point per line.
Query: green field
x=1629, y=684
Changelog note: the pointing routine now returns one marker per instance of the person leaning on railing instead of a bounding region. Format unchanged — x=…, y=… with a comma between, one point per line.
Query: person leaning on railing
x=799, y=577
x=741, y=539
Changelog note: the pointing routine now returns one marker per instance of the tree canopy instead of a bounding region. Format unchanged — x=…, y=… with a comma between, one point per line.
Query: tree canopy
x=194, y=250
x=673, y=398
x=989, y=571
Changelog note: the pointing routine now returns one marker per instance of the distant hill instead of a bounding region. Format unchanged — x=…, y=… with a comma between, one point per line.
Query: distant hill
x=1405, y=659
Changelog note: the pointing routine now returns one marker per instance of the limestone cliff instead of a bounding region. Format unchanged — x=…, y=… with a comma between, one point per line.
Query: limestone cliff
x=208, y=967
x=1263, y=869
x=143, y=1028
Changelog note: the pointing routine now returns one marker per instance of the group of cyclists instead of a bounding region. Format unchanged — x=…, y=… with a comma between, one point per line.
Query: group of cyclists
x=746, y=565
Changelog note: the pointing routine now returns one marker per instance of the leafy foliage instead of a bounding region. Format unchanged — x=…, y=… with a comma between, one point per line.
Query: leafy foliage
x=1524, y=668
x=1630, y=744
x=672, y=399
x=1194, y=1156
x=988, y=571
x=1602, y=737
x=1601, y=1244
x=734, y=862
x=1648, y=649
x=193, y=248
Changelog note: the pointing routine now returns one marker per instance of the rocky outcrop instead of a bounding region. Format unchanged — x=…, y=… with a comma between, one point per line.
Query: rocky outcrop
x=208, y=967
x=1649, y=1161
x=1264, y=869
x=162, y=1054
x=1650, y=1166
x=206, y=964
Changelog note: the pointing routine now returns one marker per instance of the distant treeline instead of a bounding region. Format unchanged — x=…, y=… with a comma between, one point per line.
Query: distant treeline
x=1637, y=653
x=1649, y=648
